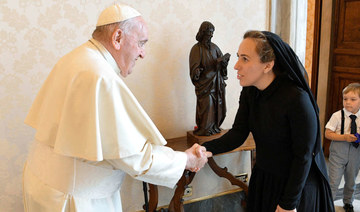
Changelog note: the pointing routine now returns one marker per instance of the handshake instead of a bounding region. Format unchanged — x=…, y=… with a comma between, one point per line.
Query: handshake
x=197, y=156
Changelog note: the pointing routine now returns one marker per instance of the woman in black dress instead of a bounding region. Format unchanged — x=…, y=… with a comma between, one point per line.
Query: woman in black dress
x=278, y=108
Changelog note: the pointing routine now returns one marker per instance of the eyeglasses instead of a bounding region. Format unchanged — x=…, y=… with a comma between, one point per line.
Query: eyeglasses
x=140, y=43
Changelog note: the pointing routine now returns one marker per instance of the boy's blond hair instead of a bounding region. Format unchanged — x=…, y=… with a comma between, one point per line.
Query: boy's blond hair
x=354, y=87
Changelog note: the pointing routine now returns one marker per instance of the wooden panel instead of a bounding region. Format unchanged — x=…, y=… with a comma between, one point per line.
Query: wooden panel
x=352, y=22
x=352, y=61
x=347, y=51
x=346, y=70
x=339, y=82
x=348, y=23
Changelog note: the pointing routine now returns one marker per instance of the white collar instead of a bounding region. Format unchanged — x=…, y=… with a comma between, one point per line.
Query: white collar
x=348, y=113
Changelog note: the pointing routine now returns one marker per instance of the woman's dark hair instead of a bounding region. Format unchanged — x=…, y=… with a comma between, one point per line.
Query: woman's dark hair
x=263, y=47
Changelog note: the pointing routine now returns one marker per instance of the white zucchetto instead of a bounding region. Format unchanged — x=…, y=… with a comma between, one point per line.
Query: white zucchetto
x=116, y=13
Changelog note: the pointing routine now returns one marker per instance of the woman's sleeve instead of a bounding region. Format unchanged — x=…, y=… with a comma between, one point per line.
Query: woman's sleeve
x=236, y=136
x=304, y=129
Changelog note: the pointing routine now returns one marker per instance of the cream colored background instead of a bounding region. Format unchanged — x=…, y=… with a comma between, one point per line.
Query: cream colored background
x=34, y=34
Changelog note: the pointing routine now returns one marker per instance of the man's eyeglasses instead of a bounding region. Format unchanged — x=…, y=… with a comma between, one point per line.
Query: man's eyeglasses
x=140, y=43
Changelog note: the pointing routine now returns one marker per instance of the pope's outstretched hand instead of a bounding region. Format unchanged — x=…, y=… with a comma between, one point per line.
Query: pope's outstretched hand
x=197, y=157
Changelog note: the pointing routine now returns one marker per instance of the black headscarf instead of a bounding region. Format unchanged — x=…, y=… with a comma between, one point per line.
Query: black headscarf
x=288, y=63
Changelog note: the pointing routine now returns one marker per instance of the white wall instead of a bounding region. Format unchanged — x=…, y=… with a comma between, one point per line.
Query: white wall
x=35, y=34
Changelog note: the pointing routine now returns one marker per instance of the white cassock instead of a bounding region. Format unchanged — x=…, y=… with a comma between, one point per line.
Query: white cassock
x=90, y=131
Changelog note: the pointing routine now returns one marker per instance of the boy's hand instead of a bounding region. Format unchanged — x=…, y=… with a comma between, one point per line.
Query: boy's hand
x=350, y=137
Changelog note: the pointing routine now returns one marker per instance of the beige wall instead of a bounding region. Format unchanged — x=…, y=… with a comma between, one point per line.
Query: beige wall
x=35, y=34
x=324, y=61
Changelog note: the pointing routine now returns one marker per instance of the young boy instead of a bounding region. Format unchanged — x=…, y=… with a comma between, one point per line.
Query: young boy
x=344, y=156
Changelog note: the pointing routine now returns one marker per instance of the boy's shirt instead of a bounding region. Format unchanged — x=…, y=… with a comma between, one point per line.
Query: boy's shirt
x=334, y=124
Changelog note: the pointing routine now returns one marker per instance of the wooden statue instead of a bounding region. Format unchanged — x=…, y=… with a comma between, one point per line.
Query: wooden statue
x=208, y=72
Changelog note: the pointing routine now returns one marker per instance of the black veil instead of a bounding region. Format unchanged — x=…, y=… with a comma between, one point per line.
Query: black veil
x=288, y=63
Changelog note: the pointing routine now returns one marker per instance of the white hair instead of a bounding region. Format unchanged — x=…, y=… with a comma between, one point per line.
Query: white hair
x=104, y=32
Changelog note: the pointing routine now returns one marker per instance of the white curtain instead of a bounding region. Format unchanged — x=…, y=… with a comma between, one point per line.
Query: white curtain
x=289, y=20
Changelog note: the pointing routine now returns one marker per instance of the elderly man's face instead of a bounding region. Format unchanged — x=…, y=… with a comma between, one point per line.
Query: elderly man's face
x=133, y=47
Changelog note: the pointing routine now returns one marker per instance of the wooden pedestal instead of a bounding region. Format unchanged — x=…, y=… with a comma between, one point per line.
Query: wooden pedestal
x=183, y=143
x=191, y=138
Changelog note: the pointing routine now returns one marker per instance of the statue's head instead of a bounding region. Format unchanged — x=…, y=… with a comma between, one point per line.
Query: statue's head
x=205, y=32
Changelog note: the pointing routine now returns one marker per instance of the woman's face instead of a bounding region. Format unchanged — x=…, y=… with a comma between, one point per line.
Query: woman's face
x=250, y=70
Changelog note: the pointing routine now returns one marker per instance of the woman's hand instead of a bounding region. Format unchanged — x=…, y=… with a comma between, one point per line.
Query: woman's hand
x=279, y=209
x=197, y=156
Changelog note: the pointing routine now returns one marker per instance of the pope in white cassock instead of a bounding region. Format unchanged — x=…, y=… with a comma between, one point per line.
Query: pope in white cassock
x=90, y=129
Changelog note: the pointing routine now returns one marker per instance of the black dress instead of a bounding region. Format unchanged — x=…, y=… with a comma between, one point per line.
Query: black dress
x=284, y=125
